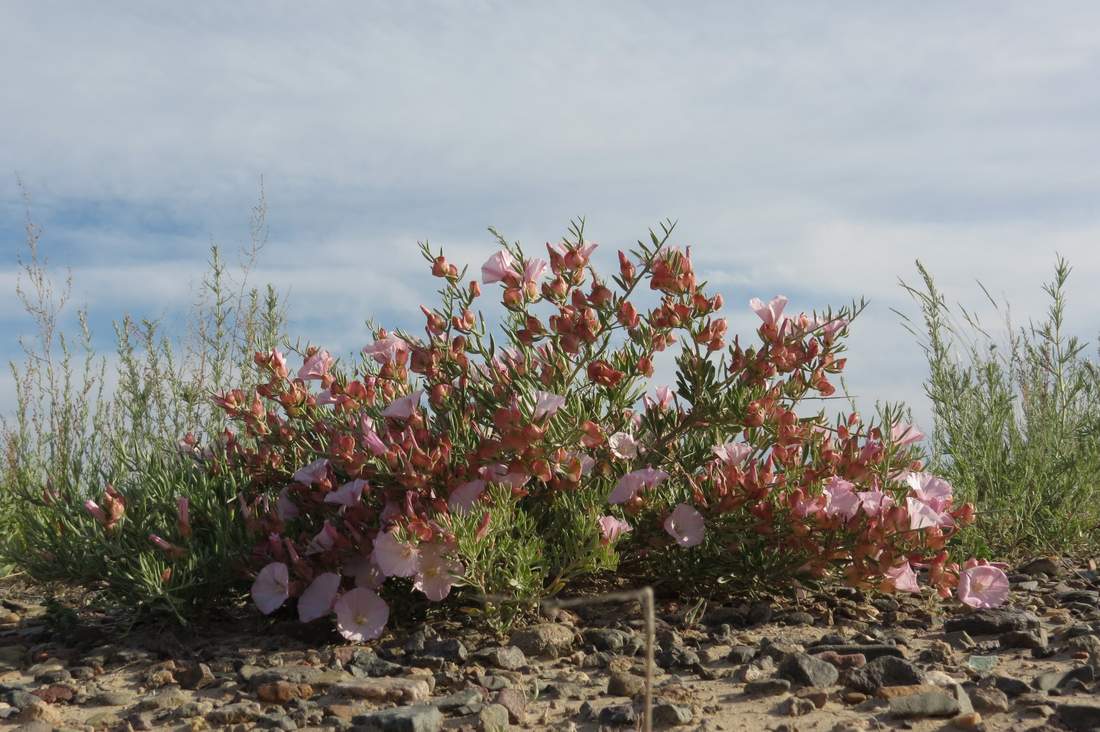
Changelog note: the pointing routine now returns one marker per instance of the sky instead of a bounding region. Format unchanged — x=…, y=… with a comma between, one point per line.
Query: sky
x=810, y=149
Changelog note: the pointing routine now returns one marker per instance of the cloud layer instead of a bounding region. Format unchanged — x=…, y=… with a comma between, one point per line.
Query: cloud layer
x=811, y=151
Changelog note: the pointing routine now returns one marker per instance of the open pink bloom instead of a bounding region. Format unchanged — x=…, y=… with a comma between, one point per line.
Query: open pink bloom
x=533, y=270
x=923, y=515
x=686, y=526
x=349, y=494
x=875, y=501
x=498, y=473
x=271, y=588
x=97, y=513
x=316, y=366
x=623, y=445
x=370, y=437
x=629, y=485
x=386, y=350
x=611, y=528
x=903, y=434
x=324, y=398
x=772, y=313
x=983, y=586
x=324, y=540
x=547, y=404
x=840, y=500
x=284, y=507
x=807, y=506
x=497, y=267
x=465, y=497
x=732, y=453
x=313, y=473
x=929, y=488
x=317, y=600
x=361, y=615
x=366, y=573
x=661, y=401
x=437, y=572
x=393, y=557
x=183, y=516
x=403, y=407
x=903, y=578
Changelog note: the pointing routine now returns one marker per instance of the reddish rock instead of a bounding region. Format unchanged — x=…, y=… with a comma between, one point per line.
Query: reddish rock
x=282, y=692
x=55, y=693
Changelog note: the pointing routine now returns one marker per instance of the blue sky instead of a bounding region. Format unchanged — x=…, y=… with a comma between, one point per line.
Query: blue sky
x=810, y=150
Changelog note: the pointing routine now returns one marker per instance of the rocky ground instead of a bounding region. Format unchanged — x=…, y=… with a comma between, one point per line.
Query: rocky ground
x=837, y=661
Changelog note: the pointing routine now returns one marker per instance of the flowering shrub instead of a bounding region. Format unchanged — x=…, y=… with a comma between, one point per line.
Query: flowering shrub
x=508, y=467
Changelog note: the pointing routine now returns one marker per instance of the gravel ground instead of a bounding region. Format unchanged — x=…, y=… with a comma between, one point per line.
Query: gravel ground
x=833, y=661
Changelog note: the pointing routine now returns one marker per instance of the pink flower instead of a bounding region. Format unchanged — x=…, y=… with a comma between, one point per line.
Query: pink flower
x=547, y=404
x=366, y=573
x=903, y=577
x=437, y=573
x=623, y=445
x=361, y=615
x=349, y=494
x=933, y=490
x=271, y=588
x=923, y=516
x=903, y=434
x=183, y=514
x=982, y=585
x=686, y=526
x=324, y=540
x=732, y=453
x=772, y=313
x=97, y=513
x=318, y=598
x=497, y=267
x=393, y=557
x=612, y=528
x=839, y=498
x=370, y=438
x=465, y=497
x=284, y=507
x=313, y=473
x=167, y=547
x=316, y=366
x=875, y=501
x=403, y=407
x=533, y=269
x=662, y=400
x=629, y=485
x=498, y=473
x=386, y=350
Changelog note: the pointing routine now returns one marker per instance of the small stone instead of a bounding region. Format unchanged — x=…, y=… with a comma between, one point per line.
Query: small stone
x=854, y=697
x=807, y=670
x=625, y=684
x=797, y=707
x=741, y=654
x=167, y=699
x=869, y=651
x=493, y=718
x=1050, y=566
x=547, y=640
x=282, y=692
x=671, y=715
x=883, y=671
x=845, y=661
x=1057, y=679
x=55, y=693
x=196, y=676
x=450, y=649
x=991, y=621
x=819, y=697
x=365, y=662
x=767, y=687
x=385, y=689
x=618, y=715
x=933, y=703
x=960, y=640
x=515, y=701
x=1010, y=686
x=419, y=718
x=973, y=720
x=111, y=699
x=1030, y=638
x=989, y=700
x=508, y=658
x=1088, y=643
x=234, y=713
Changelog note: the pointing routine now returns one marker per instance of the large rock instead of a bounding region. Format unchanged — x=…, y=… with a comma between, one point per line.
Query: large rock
x=991, y=621
x=548, y=640
x=807, y=670
x=420, y=718
x=883, y=671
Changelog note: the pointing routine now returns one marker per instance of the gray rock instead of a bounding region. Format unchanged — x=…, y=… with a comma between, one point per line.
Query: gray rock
x=515, y=701
x=671, y=715
x=467, y=701
x=450, y=649
x=1083, y=717
x=611, y=640
x=988, y=700
x=418, y=718
x=548, y=640
x=618, y=715
x=767, y=687
x=318, y=678
x=1030, y=638
x=493, y=718
x=741, y=654
x=508, y=658
x=1010, y=686
x=797, y=707
x=111, y=699
x=234, y=713
x=883, y=671
x=1057, y=679
x=625, y=684
x=367, y=663
x=1089, y=643
x=926, y=704
x=991, y=621
x=807, y=670
x=869, y=651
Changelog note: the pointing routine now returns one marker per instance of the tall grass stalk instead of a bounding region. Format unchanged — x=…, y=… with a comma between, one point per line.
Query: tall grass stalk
x=1016, y=421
